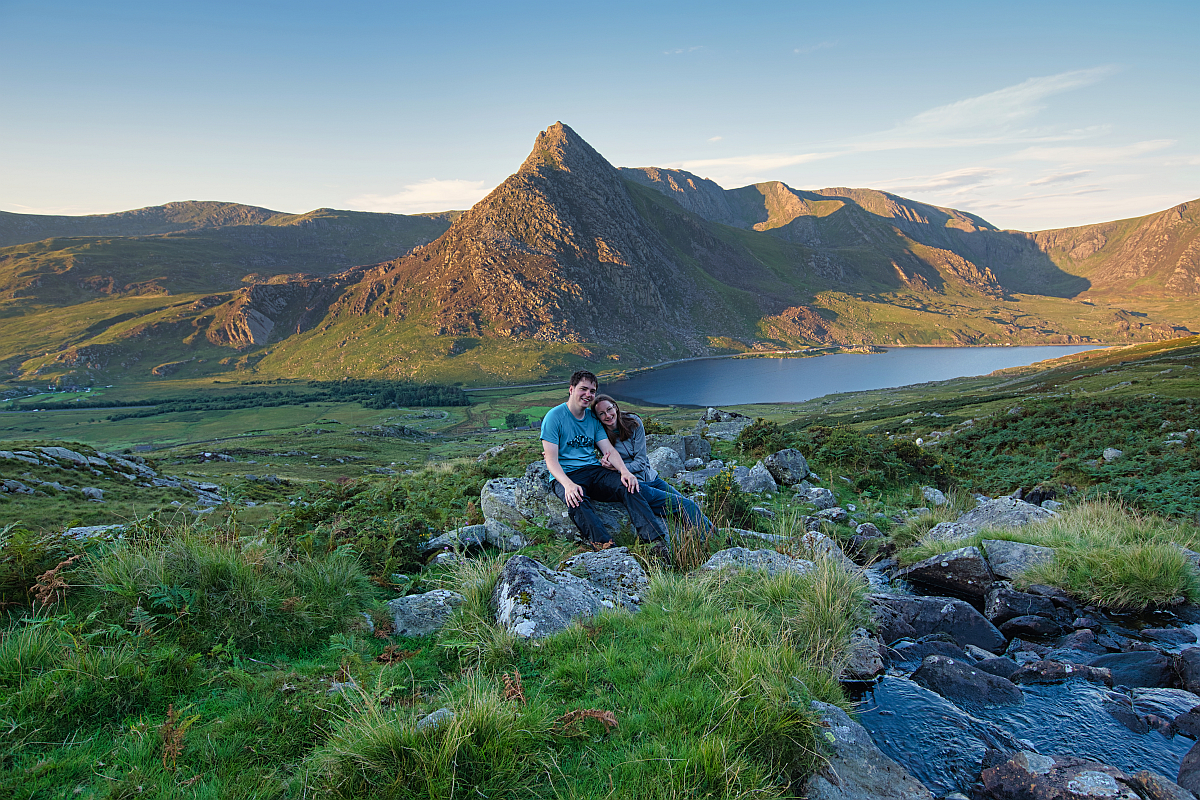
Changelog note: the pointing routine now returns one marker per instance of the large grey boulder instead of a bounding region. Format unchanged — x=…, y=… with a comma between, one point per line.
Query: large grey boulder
x=767, y=560
x=910, y=617
x=63, y=454
x=788, y=467
x=666, y=462
x=817, y=545
x=935, y=497
x=961, y=572
x=532, y=500
x=1003, y=512
x=615, y=570
x=698, y=477
x=854, y=768
x=758, y=479
x=534, y=601
x=1010, y=559
x=422, y=614
x=686, y=447
x=498, y=501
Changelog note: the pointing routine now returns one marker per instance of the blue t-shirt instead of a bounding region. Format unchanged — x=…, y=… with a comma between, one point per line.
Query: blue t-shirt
x=576, y=438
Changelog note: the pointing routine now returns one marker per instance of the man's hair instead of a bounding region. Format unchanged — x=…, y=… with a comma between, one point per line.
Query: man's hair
x=583, y=375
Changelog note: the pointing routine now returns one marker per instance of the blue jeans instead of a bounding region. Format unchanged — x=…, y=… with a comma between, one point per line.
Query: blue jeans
x=662, y=496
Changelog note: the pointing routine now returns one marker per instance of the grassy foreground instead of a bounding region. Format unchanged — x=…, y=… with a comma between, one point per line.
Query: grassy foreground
x=195, y=661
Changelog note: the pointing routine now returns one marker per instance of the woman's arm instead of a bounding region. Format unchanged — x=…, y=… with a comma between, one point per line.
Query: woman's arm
x=635, y=455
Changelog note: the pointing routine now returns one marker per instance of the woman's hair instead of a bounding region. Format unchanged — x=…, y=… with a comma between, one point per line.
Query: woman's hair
x=627, y=424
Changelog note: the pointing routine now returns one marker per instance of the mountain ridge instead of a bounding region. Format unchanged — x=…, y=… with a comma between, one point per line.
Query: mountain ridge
x=571, y=261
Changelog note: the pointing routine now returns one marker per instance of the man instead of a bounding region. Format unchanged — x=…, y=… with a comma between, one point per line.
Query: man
x=570, y=436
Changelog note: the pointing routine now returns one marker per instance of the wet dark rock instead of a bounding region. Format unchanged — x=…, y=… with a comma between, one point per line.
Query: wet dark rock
x=1155, y=787
x=1171, y=636
x=1083, y=640
x=1029, y=776
x=1089, y=623
x=865, y=661
x=1145, y=668
x=1121, y=709
x=962, y=572
x=1070, y=656
x=1000, y=665
x=962, y=683
x=913, y=653
x=1019, y=649
x=1060, y=598
x=1189, y=770
x=1031, y=625
x=1057, y=672
x=1188, y=723
x=1002, y=603
x=906, y=617
x=855, y=769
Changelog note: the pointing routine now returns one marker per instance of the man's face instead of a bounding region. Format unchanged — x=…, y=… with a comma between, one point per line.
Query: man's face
x=583, y=393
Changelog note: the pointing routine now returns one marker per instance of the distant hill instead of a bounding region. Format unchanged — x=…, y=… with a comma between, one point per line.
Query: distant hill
x=572, y=262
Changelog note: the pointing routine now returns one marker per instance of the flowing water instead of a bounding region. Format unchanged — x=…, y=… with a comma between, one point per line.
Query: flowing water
x=734, y=381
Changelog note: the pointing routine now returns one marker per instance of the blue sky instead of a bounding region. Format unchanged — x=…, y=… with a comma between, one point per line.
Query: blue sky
x=1032, y=115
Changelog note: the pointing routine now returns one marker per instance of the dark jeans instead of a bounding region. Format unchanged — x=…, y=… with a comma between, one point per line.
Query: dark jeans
x=604, y=485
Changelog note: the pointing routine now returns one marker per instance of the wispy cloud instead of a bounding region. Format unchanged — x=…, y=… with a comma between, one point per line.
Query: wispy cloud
x=1060, y=177
x=812, y=48
x=679, y=50
x=753, y=164
x=952, y=182
x=20, y=208
x=1002, y=108
x=1093, y=155
x=428, y=195
x=716, y=138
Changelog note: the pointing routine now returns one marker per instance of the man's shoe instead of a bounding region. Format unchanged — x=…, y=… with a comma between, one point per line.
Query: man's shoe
x=660, y=553
x=601, y=545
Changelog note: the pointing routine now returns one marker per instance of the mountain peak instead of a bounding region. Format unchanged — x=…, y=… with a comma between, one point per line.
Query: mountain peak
x=560, y=148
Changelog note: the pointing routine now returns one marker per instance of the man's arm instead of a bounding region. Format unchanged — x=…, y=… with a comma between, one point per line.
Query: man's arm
x=614, y=461
x=573, y=491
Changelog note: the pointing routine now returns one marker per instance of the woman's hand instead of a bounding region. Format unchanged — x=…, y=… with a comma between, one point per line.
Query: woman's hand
x=606, y=461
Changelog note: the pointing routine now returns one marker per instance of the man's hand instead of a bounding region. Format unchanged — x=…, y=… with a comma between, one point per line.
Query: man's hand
x=630, y=481
x=574, y=492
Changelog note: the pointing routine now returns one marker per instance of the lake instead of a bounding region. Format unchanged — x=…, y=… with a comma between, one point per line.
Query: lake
x=735, y=381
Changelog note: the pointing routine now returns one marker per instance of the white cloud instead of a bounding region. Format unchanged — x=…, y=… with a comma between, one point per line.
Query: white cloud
x=1093, y=155
x=432, y=194
x=716, y=138
x=679, y=50
x=1060, y=177
x=755, y=163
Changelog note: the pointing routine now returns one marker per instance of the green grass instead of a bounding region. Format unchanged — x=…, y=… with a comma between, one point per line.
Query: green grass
x=1106, y=554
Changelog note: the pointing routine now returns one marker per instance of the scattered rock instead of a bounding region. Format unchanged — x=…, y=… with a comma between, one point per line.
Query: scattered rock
x=500, y=535
x=864, y=662
x=962, y=683
x=1002, y=603
x=935, y=497
x=768, y=560
x=961, y=572
x=1003, y=512
x=1031, y=776
x=1031, y=625
x=1141, y=668
x=466, y=538
x=819, y=496
x=498, y=501
x=1057, y=672
x=436, y=719
x=1010, y=559
x=854, y=768
x=422, y=614
x=998, y=665
x=693, y=464
x=92, y=493
x=92, y=531
x=1111, y=454
x=908, y=617
x=788, y=467
x=835, y=514
x=758, y=479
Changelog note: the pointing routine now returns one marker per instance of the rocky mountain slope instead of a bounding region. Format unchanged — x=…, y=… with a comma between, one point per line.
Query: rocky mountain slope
x=572, y=262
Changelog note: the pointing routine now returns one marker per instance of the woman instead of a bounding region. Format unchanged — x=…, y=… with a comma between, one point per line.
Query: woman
x=628, y=437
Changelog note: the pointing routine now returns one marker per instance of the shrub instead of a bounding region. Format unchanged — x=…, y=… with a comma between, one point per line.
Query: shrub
x=726, y=504
x=761, y=439
x=652, y=426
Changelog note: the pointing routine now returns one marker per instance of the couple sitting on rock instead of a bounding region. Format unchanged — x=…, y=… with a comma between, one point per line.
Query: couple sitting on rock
x=571, y=435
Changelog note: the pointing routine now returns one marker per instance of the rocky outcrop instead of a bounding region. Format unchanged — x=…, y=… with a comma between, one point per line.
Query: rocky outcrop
x=963, y=572
x=907, y=617
x=1003, y=512
x=422, y=614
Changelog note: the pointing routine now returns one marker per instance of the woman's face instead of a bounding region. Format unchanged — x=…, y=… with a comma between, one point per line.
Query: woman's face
x=607, y=412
